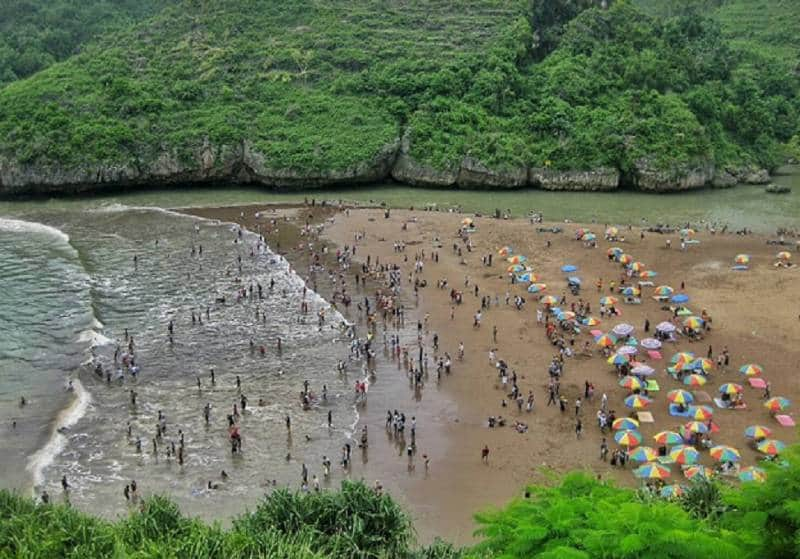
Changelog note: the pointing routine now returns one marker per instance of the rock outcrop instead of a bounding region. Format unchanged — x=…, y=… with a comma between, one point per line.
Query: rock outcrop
x=649, y=178
x=602, y=178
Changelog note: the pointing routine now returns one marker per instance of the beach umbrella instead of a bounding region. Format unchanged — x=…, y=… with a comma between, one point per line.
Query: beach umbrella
x=687, y=232
x=771, y=447
x=627, y=350
x=680, y=298
x=549, y=300
x=680, y=396
x=725, y=453
x=628, y=437
x=625, y=259
x=590, y=321
x=668, y=438
x=612, y=232
x=515, y=269
x=653, y=470
x=783, y=255
x=631, y=291
x=614, y=252
x=568, y=268
x=517, y=259
x=618, y=359
x=651, y=343
x=684, y=311
x=696, y=427
x=631, y=341
x=631, y=383
x=637, y=266
x=694, y=380
x=643, y=370
x=605, y=340
x=664, y=291
x=579, y=233
x=672, y=491
x=730, y=388
x=623, y=423
x=505, y=251
x=609, y=300
x=751, y=370
x=777, y=403
x=702, y=364
x=752, y=473
x=682, y=357
x=648, y=274
x=693, y=323
x=590, y=237
x=666, y=327
x=637, y=401
x=698, y=472
x=684, y=455
x=567, y=315
x=643, y=454
x=757, y=432
x=575, y=280
x=701, y=413
x=742, y=259
x=467, y=221
x=528, y=277
x=623, y=329
x=537, y=287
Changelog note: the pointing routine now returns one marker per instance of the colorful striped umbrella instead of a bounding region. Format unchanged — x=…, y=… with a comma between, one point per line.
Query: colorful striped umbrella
x=664, y=291
x=725, y=453
x=783, y=255
x=696, y=427
x=643, y=454
x=742, y=259
x=757, y=432
x=622, y=423
x=777, y=403
x=751, y=370
x=730, y=388
x=614, y=251
x=517, y=259
x=631, y=383
x=684, y=455
x=701, y=413
x=605, y=340
x=693, y=323
x=682, y=357
x=566, y=315
x=752, y=473
x=772, y=447
x=637, y=401
x=590, y=321
x=589, y=237
x=631, y=291
x=668, y=438
x=537, y=288
x=653, y=470
x=672, y=491
x=694, y=380
x=680, y=396
x=625, y=259
x=702, y=364
x=698, y=472
x=648, y=274
x=637, y=266
x=612, y=232
x=505, y=251
x=515, y=269
x=609, y=300
x=549, y=300
x=687, y=232
x=628, y=437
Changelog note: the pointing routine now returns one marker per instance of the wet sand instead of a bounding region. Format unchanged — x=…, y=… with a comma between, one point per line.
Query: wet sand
x=755, y=315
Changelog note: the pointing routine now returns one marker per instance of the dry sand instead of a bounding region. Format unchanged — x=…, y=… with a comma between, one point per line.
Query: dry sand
x=755, y=314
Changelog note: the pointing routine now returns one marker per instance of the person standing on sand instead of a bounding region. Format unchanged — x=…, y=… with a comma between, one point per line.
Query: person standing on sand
x=578, y=428
x=485, y=454
x=603, y=450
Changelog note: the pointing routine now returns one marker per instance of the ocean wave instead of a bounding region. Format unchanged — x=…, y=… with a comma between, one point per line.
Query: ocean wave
x=10, y=225
x=44, y=457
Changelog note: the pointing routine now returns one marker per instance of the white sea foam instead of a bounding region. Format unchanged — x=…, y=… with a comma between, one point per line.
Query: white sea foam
x=41, y=459
x=9, y=225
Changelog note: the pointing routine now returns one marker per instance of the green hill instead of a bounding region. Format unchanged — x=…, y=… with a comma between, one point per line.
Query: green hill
x=314, y=93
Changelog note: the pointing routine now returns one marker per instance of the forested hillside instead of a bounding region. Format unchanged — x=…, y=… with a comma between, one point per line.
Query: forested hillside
x=491, y=94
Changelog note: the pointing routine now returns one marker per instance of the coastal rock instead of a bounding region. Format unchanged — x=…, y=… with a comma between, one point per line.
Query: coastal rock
x=753, y=175
x=725, y=178
x=649, y=178
x=410, y=171
x=474, y=174
x=601, y=178
x=20, y=178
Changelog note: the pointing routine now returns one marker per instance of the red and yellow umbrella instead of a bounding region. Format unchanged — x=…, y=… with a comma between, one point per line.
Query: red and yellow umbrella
x=751, y=370
x=668, y=438
x=609, y=300
x=783, y=255
x=652, y=470
x=625, y=259
x=771, y=447
x=637, y=401
x=696, y=427
x=701, y=413
x=631, y=383
x=505, y=251
x=680, y=396
x=742, y=259
x=777, y=403
x=628, y=437
x=623, y=423
x=725, y=453
x=730, y=388
x=605, y=340
x=757, y=432
x=549, y=300
x=693, y=323
x=698, y=471
x=684, y=455
x=694, y=380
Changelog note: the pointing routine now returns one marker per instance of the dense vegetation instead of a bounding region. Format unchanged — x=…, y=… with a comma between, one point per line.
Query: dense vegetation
x=35, y=33
x=318, y=87
x=580, y=518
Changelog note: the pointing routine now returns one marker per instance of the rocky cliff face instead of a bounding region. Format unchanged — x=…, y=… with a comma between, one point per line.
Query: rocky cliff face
x=243, y=163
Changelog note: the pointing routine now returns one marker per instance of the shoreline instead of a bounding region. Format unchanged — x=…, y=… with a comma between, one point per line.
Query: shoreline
x=458, y=485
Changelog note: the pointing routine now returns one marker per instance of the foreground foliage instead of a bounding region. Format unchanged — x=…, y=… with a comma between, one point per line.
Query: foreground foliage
x=326, y=86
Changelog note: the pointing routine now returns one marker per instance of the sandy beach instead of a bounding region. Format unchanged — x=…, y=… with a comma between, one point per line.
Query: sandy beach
x=754, y=313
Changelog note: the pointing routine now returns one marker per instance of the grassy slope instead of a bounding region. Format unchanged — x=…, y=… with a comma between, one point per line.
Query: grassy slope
x=323, y=86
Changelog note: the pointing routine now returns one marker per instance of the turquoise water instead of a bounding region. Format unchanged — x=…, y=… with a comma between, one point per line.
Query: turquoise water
x=741, y=206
